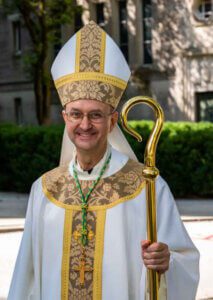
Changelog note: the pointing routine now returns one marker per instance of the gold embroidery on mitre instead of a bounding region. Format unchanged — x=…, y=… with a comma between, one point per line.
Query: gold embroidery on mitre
x=77, y=49
x=105, y=78
x=89, y=80
x=59, y=187
x=91, y=90
x=92, y=49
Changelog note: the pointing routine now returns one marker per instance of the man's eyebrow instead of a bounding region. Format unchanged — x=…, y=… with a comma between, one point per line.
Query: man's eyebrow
x=96, y=110
x=74, y=109
x=93, y=110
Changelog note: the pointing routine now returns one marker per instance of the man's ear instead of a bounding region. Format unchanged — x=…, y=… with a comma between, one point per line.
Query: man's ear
x=114, y=120
x=64, y=115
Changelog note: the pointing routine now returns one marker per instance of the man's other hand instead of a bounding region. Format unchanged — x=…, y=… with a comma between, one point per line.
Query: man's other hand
x=155, y=256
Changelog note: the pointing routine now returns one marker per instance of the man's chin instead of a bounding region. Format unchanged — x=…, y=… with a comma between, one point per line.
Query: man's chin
x=85, y=146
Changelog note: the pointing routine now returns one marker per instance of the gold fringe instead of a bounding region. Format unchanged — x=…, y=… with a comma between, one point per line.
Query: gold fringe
x=77, y=54
x=98, y=257
x=66, y=255
x=90, y=76
x=102, y=55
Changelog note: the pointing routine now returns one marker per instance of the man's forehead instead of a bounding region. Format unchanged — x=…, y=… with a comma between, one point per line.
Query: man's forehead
x=87, y=104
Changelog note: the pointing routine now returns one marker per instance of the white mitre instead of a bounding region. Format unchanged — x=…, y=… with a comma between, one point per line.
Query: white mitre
x=91, y=66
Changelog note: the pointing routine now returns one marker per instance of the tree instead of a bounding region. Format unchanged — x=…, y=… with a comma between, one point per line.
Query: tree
x=43, y=20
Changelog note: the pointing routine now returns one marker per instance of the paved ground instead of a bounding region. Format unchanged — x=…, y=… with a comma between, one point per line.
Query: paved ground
x=13, y=205
x=202, y=236
x=195, y=208
x=197, y=216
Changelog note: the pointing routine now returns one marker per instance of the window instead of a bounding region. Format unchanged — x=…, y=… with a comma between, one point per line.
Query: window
x=18, y=110
x=16, y=37
x=204, y=10
x=100, y=14
x=147, y=31
x=123, y=28
x=78, y=20
x=205, y=106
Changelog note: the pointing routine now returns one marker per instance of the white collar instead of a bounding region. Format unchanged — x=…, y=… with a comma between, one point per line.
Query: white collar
x=97, y=168
x=118, y=160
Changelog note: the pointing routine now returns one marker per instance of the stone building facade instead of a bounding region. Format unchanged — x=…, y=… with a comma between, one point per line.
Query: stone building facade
x=16, y=95
x=168, y=44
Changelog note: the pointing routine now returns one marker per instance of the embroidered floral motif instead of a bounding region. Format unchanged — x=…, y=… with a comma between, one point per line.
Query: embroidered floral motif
x=90, y=89
x=59, y=185
x=85, y=291
x=90, y=48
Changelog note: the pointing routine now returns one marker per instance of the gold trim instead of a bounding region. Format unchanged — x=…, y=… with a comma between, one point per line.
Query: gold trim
x=98, y=257
x=77, y=54
x=90, y=89
x=66, y=255
x=92, y=207
x=102, y=55
x=90, y=76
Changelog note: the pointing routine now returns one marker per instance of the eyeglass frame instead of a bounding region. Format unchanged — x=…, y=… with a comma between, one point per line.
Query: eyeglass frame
x=87, y=115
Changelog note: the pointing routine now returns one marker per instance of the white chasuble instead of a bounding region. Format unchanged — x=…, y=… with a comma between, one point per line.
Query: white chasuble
x=48, y=266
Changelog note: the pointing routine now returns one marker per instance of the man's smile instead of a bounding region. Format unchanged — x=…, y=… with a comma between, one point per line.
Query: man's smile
x=86, y=135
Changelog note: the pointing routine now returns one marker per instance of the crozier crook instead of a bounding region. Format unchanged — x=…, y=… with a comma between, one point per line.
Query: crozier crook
x=150, y=172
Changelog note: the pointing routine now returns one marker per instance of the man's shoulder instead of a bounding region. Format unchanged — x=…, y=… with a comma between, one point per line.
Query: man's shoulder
x=120, y=159
x=133, y=167
x=55, y=175
x=127, y=169
x=52, y=175
x=57, y=171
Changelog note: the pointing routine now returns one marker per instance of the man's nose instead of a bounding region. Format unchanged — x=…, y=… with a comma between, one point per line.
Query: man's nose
x=85, y=123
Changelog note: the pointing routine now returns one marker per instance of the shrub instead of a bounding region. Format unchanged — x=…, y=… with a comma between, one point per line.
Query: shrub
x=26, y=153
x=184, y=155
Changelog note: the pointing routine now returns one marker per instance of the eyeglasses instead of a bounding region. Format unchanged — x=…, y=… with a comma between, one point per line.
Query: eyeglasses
x=93, y=116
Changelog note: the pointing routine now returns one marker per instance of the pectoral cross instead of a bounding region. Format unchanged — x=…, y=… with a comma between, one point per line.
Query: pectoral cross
x=77, y=235
x=82, y=268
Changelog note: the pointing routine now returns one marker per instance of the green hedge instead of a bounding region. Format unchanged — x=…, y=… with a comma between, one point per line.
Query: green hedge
x=26, y=153
x=184, y=155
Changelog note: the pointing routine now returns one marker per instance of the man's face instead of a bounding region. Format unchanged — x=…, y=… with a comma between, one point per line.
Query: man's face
x=87, y=133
